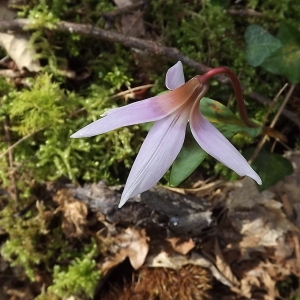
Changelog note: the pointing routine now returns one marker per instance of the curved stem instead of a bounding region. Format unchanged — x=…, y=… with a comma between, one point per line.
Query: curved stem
x=237, y=89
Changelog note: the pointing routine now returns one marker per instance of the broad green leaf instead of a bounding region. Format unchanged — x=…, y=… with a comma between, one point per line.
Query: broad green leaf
x=288, y=34
x=260, y=44
x=225, y=120
x=286, y=61
x=271, y=167
x=190, y=157
x=191, y=154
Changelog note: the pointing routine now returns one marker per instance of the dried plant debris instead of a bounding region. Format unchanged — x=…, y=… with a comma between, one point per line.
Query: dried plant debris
x=17, y=45
x=181, y=246
x=254, y=245
x=130, y=243
x=74, y=222
x=18, y=48
x=237, y=243
x=187, y=283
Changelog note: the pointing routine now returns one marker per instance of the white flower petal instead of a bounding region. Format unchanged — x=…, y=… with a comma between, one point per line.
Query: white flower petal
x=157, y=154
x=215, y=144
x=175, y=76
x=148, y=110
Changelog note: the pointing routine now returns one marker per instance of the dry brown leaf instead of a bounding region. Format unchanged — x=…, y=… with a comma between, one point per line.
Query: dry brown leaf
x=205, y=189
x=223, y=266
x=247, y=285
x=74, y=213
x=5, y=12
x=131, y=243
x=269, y=284
x=192, y=283
x=288, y=207
x=17, y=45
x=297, y=213
x=176, y=261
x=182, y=247
x=18, y=48
x=260, y=278
x=266, y=225
x=258, y=216
x=246, y=246
x=244, y=195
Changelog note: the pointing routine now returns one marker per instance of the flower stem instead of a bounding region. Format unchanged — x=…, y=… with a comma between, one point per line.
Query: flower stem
x=237, y=89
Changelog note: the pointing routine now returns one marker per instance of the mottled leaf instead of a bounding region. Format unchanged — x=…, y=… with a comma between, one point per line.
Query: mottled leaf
x=191, y=154
x=225, y=120
x=260, y=44
x=286, y=61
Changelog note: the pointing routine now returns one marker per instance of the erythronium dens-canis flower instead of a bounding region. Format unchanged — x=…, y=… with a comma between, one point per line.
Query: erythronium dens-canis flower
x=171, y=112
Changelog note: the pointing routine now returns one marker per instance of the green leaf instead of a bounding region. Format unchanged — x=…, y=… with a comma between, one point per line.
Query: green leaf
x=260, y=45
x=191, y=154
x=189, y=158
x=288, y=34
x=271, y=167
x=225, y=120
x=286, y=61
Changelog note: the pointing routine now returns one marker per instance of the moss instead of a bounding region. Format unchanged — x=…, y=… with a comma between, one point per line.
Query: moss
x=21, y=249
x=51, y=107
x=79, y=278
x=35, y=244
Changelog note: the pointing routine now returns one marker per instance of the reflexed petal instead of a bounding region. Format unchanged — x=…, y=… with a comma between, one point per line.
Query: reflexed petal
x=158, y=152
x=175, y=77
x=215, y=144
x=148, y=110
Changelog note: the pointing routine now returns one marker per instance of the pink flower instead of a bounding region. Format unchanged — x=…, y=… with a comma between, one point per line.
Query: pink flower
x=171, y=112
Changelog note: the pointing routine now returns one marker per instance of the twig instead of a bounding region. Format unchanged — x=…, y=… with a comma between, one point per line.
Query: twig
x=129, y=91
x=273, y=104
x=245, y=12
x=286, y=99
x=264, y=138
x=11, y=147
x=131, y=42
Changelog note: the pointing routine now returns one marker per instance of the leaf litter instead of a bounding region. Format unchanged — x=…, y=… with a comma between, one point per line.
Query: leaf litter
x=249, y=244
x=242, y=244
x=17, y=45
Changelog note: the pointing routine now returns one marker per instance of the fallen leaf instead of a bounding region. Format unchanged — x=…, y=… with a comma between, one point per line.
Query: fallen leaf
x=176, y=261
x=192, y=282
x=223, y=266
x=131, y=243
x=182, y=247
x=18, y=48
x=17, y=45
x=206, y=189
x=74, y=220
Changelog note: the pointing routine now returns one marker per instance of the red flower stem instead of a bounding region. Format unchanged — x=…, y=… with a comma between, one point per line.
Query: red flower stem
x=237, y=89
